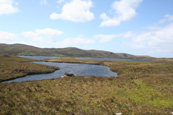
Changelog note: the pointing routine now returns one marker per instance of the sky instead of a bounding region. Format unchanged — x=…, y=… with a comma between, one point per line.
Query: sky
x=138, y=27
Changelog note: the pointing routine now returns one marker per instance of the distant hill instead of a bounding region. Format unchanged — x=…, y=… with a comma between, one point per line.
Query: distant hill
x=21, y=49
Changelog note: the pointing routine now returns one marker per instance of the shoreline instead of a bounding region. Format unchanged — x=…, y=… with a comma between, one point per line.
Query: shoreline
x=2, y=81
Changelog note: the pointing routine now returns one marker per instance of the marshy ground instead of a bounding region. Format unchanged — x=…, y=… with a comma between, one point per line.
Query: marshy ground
x=13, y=67
x=141, y=88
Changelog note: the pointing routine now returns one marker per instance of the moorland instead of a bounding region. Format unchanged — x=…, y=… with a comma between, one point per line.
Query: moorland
x=141, y=88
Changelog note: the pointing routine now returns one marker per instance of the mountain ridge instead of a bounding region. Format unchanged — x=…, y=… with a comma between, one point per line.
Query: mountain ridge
x=22, y=49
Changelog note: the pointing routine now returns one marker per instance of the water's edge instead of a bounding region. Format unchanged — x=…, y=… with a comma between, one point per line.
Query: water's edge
x=2, y=81
x=101, y=70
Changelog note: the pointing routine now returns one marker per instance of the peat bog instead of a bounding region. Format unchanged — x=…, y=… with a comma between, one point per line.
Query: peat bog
x=140, y=88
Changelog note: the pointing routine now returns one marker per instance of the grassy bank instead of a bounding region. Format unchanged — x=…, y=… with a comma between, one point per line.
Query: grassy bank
x=74, y=60
x=159, y=66
x=13, y=67
x=141, y=88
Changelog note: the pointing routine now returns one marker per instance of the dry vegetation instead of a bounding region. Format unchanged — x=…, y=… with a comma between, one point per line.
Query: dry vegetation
x=141, y=88
x=12, y=67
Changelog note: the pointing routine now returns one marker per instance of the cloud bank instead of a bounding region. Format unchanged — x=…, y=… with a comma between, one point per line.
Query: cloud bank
x=75, y=11
x=156, y=39
x=43, y=35
x=123, y=10
x=8, y=7
x=6, y=37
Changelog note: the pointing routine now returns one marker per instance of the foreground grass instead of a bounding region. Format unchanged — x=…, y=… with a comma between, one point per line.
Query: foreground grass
x=12, y=67
x=141, y=88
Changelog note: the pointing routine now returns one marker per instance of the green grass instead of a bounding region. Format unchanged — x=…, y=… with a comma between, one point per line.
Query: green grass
x=141, y=88
x=147, y=95
x=26, y=54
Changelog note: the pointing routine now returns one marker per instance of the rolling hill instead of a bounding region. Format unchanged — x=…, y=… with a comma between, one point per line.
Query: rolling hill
x=21, y=49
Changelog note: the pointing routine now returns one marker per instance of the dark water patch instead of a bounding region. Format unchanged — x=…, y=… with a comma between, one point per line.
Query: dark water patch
x=77, y=69
x=111, y=59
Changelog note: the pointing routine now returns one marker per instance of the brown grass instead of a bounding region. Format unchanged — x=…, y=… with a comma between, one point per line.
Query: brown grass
x=13, y=67
x=141, y=88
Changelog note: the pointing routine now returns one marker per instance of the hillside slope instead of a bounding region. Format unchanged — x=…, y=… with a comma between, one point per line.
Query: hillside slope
x=21, y=49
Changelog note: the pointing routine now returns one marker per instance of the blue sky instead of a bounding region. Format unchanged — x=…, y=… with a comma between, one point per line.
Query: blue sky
x=139, y=27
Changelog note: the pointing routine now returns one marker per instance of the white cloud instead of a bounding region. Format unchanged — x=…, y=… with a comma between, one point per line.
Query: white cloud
x=127, y=35
x=167, y=17
x=7, y=7
x=124, y=10
x=44, y=2
x=60, y=1
x=160, y=38
x=104, y=38
x=33, y=35
x=157, y=39
x=71, y=42
x=75, y=11
x=43, y=34
x=107, y=38
x=6, y=37
x=50, y=33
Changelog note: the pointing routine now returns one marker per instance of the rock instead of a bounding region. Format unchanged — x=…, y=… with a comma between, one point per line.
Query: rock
x=118, y=113
x=68, y=75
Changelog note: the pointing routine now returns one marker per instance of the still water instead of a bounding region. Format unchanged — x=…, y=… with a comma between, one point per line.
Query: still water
x=108, y=59
x=77, y=69
x=111, y=59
